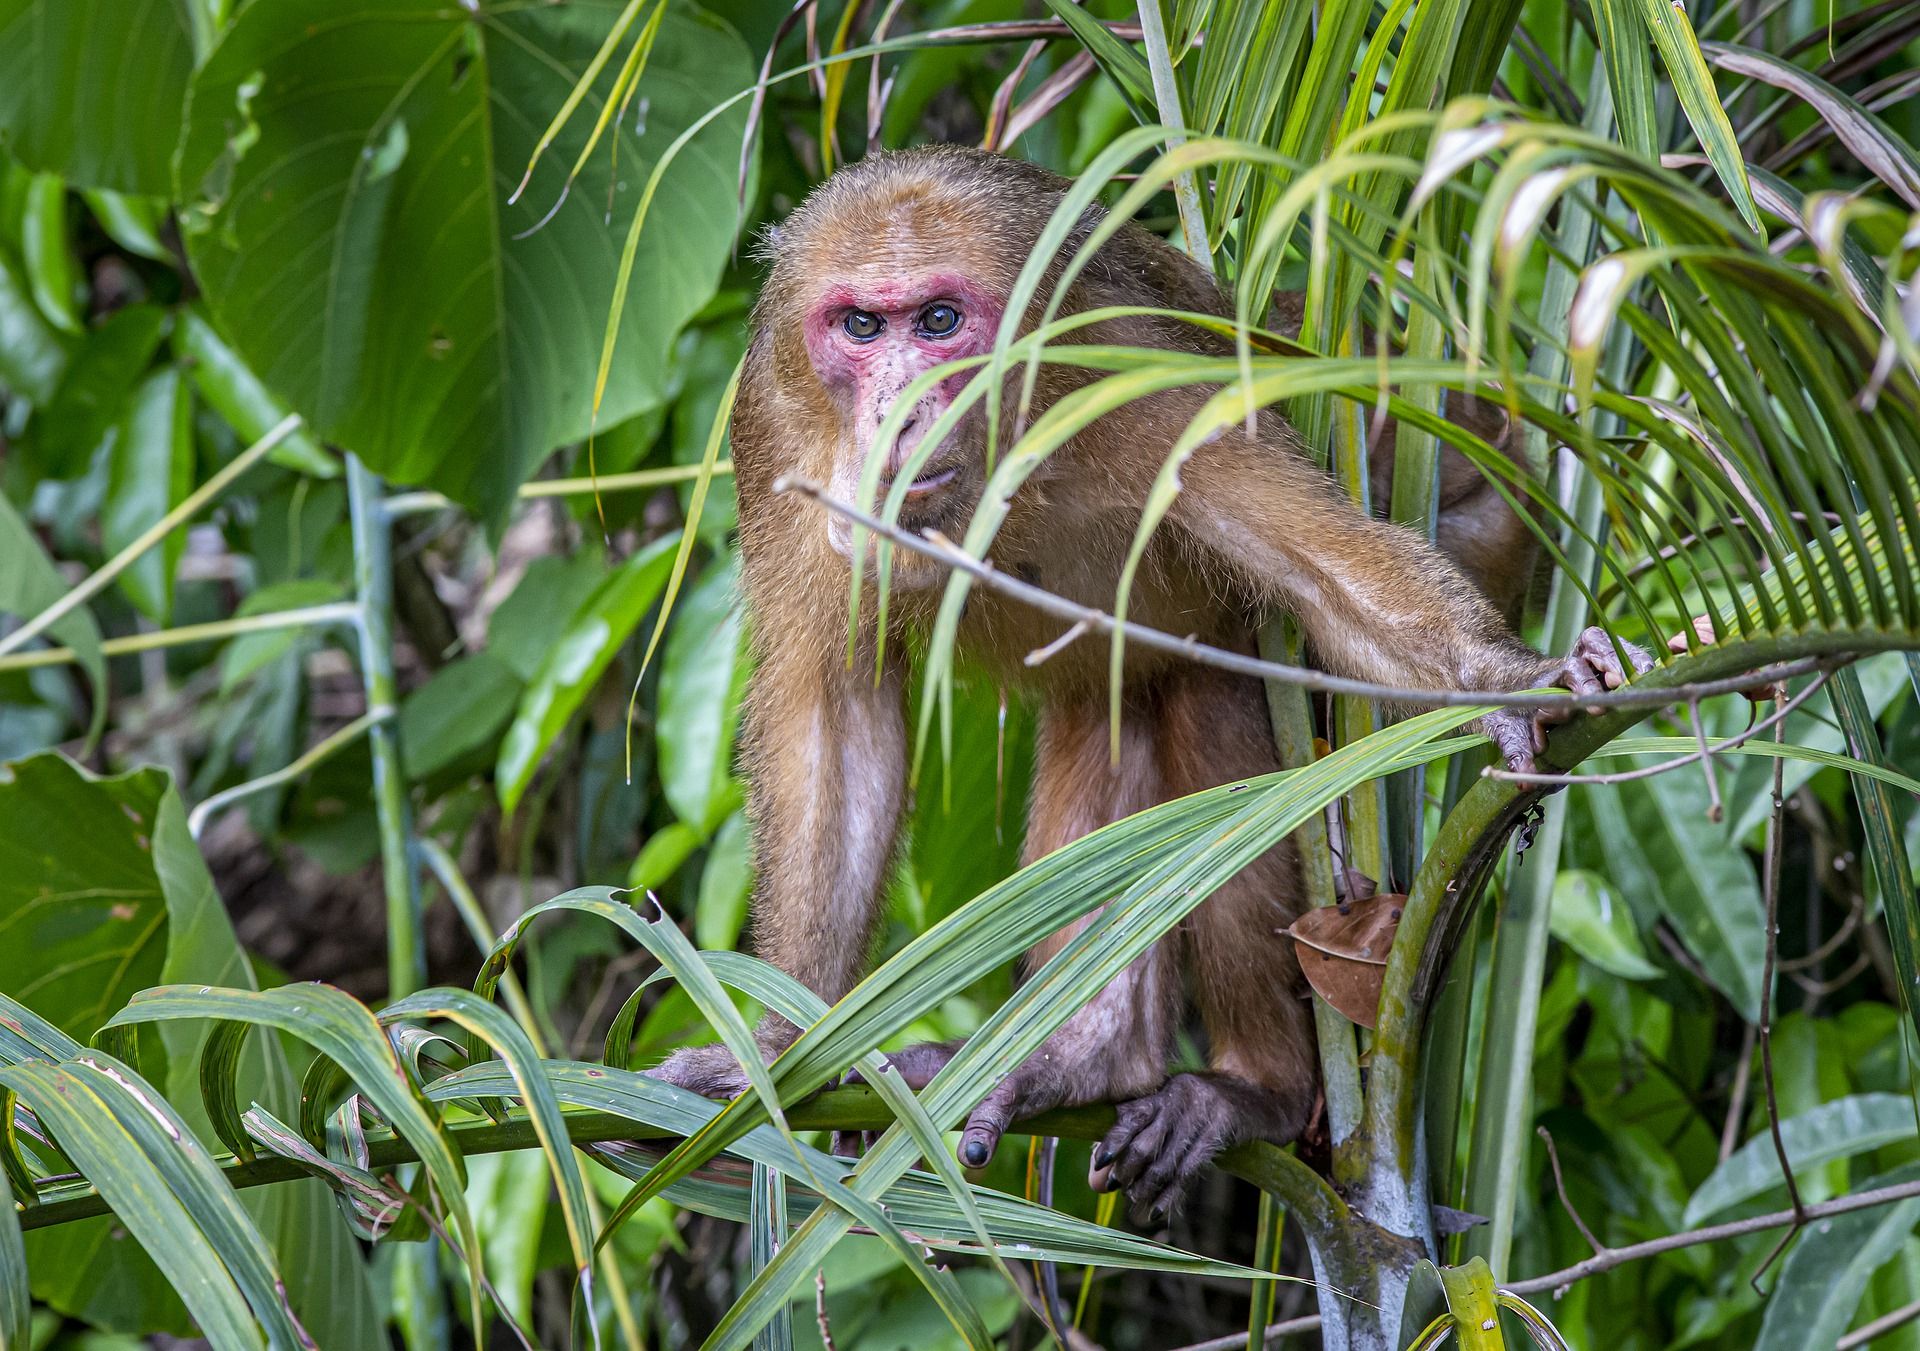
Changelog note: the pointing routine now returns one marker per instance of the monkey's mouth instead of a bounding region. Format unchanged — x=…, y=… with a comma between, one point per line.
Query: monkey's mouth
x=933, y=483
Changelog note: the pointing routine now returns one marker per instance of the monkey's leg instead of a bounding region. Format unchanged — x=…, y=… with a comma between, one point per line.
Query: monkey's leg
x=1263, y=1072
x=1116, y=1046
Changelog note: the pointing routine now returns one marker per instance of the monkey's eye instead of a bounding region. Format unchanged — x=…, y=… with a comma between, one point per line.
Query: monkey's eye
x=863, y=325
x=938, y=320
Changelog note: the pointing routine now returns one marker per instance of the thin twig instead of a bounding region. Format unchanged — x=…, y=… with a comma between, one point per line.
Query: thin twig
x=1771, y=882
x=820, y=1308
x=1233, y=1341
x=1563, y=1280
x=1879, y=1327
x=1715, y=811
x=1566, y=1202
x=1824, y=668
x=943, y=550
x=1831, y=945
x=1054, y=648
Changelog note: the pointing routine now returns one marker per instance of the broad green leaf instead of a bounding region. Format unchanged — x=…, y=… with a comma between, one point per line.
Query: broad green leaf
x=1833, y=1130
x=1823, y=1278
x=133, y=222
x=508, y=1196
x=45, y=247
x=29, y=584
x=703, y=675
x=1598, y=925
x=150, y=469
x=461, y=709
x=236, y=394
x=725, y=884
x=576, y=661
x=529, y=622
x=120, y=1133
x=132, y=904
x=32, y=352
x=1653, y=840
x=360, y=252
x=83, y=918
x=105, y=370
x=94, y=91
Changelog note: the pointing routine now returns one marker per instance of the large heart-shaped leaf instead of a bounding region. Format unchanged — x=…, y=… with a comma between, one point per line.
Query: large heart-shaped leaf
x=346, y=176
x=94, y=91
x=101, y=892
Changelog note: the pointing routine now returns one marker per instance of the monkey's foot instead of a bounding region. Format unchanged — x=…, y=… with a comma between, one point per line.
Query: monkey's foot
x=1160, y=1143
x=1592, y=667
x=711, y=1071
x=916, y=1065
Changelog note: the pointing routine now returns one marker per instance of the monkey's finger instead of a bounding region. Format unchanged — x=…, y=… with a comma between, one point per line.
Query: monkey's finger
x=848, y=1144
x=1514, y=736
x=1141, y=1152
x=987, y=1124
x=1128, y=1120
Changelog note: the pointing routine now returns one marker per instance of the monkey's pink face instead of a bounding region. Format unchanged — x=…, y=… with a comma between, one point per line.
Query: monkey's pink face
x=868, y=341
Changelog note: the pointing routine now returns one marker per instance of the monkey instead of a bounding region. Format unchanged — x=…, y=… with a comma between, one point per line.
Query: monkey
x=906, y=260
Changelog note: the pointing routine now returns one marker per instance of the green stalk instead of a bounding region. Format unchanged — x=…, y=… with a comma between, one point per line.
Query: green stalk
x=411, y=504
x=189, y=507
x=373, y=583
x=1166, y=95
x=316, y=755
x=311, y=616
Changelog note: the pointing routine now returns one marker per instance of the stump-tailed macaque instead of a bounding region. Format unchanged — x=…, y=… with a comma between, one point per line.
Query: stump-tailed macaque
x=907, y=260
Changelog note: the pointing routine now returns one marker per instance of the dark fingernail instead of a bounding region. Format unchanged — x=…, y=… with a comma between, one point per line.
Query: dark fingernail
x=975, y=1152
x=1102, y=1157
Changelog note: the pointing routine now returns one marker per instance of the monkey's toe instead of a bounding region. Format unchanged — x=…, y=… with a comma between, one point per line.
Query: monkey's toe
x=1159, y=1146
x=710, y=1071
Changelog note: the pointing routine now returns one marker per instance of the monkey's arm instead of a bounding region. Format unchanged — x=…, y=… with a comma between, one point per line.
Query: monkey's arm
x=1377, y=601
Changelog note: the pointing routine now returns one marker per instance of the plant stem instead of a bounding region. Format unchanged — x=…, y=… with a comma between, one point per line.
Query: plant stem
x=189, y=507
x=311, y=616
x=317, y=754
x=373, y=583
x=411, y=504
x=1166, y=95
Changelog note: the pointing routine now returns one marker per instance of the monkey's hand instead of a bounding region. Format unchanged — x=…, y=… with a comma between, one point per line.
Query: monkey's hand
x=1160, y=1143
x=1591, y=667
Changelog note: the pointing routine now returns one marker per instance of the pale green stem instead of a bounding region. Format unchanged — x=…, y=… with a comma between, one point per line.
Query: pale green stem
x=373, y=583
x=311, y=616
x=189, y=507
x=411, y=504
x=1166, y=95
x=317, y=754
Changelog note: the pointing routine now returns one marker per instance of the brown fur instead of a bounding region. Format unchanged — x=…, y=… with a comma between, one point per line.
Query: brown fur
x=1256, y=526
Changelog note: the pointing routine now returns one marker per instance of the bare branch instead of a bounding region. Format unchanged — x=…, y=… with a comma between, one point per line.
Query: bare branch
x=1771, y=882
x=943, y=550
x=1566, y=1203
x=1824, y=667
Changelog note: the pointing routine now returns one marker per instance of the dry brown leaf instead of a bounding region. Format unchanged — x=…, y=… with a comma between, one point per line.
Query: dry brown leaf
x=1343, y=952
